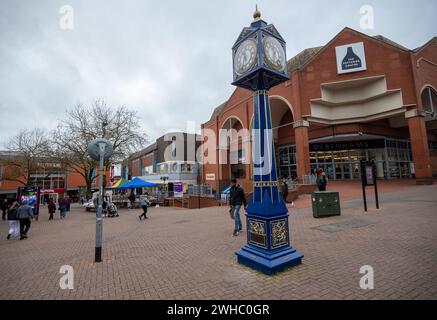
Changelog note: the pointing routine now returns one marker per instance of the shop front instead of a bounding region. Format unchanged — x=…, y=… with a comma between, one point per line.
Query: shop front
x=341, y=159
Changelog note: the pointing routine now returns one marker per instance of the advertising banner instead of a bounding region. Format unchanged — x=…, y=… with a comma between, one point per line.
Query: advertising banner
x=178, y=190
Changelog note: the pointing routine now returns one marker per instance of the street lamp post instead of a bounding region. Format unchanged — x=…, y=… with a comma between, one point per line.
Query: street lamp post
x=99, y=149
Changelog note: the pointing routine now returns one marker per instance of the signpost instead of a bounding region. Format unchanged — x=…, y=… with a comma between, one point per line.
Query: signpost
x=368, y=178
x=99, y=149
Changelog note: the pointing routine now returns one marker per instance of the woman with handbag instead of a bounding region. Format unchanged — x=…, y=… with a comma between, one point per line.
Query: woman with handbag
x=14, y=224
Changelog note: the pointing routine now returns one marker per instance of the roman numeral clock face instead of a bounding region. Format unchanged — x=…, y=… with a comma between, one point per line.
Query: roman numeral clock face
x=274, y=54
x=245, y=57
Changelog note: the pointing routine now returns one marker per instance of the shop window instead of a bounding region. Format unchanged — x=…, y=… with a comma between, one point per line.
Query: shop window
x=174, y=167
x=429, y=100
x=186, y=168
x=432, y=146
x=238, y=171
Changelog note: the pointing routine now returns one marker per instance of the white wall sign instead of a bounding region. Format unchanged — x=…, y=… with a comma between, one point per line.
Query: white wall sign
x=210, y=176
x=351, y=58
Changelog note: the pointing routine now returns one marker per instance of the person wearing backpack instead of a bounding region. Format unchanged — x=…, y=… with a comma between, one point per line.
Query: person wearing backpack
x=14, y=224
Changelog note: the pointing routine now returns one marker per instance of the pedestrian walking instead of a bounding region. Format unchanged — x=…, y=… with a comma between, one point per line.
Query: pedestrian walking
x=132, y=199
x=63, y=208
x=144, y=204
x=104, y=207
x=4, y=207
x=321, y=181
x=284, y=191
x=24, y=214
x=68, y=203
x=14, y=224
x=52, y=208
x=237, y=199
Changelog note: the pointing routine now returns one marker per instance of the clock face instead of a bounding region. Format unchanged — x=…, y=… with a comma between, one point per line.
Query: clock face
x=274, y=54
x=245, y=57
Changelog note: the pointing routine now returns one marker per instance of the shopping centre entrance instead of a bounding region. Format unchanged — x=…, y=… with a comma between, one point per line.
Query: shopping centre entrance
x=340, y=159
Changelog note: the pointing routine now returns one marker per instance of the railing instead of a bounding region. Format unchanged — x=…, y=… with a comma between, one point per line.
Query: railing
x=204, y=190
x=309, y=179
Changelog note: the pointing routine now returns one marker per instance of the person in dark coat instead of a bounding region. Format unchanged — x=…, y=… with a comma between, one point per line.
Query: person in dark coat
x=284, y=191
x=24, y=214
x=321, y=181
x=4, y=207
x=63, y=208
x=132, y=199
x=237, y=199
x=68, y=203
x=52, y=208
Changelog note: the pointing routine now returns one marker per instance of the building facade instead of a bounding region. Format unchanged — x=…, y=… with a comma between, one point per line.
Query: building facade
x=54, y=179
x=359, y=97
x=170, y=159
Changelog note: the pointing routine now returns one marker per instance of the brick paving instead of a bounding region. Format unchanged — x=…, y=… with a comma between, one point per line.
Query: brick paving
x=189, y=254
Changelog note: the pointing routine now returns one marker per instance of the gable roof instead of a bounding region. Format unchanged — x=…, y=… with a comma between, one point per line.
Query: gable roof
x=301, y=58
x=433, y=39
x=390, y=42
x=218, y=110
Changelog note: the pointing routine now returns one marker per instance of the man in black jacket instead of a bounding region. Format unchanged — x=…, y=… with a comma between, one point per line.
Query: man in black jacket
x=237, y=199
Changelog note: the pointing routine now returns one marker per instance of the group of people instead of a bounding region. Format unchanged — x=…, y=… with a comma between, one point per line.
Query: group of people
x=64, y=207
x=109, y=209
x=19, y=217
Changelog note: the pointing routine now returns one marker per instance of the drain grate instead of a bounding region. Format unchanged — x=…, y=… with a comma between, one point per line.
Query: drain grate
x=345, y=225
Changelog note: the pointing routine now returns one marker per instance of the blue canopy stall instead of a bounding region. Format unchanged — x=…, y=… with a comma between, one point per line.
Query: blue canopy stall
x=137, y=183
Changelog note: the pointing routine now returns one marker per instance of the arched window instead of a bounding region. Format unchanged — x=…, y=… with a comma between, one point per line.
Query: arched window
x=429, y=100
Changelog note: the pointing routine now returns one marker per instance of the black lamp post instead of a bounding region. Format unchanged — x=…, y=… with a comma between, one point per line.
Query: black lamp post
x=164, y=178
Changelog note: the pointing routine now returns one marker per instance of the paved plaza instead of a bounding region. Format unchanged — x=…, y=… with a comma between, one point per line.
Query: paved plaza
x=189, y=254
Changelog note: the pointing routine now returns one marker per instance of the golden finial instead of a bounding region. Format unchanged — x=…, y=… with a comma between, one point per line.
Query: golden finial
x=257, y=14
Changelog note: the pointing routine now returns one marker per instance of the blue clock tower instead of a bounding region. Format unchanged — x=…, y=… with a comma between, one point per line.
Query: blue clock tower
x=260, y=63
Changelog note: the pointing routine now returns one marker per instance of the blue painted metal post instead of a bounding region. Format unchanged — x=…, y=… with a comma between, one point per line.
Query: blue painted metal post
x=268, y=240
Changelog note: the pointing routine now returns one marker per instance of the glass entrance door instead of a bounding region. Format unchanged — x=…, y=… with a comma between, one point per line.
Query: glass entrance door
x=342, y=171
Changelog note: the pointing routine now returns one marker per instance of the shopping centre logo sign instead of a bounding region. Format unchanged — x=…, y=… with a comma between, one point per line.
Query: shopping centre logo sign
x=350, y=58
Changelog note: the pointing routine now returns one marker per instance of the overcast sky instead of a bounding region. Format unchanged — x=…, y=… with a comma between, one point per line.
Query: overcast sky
x=170, y=60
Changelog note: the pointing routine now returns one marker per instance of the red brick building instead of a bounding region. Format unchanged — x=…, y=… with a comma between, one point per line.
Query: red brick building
x=356, y=98
x=54, y=180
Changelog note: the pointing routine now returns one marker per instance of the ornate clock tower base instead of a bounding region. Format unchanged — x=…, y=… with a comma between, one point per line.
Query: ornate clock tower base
x=268, y=261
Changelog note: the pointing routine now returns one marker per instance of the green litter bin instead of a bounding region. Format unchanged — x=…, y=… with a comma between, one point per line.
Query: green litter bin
x=325, y=204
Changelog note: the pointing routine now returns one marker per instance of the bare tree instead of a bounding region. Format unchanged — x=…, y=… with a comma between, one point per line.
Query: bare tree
x=121, y=126
x=28, y=152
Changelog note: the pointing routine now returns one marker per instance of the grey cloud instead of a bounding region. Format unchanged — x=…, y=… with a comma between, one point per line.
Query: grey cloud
x=170, y=60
